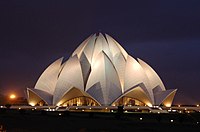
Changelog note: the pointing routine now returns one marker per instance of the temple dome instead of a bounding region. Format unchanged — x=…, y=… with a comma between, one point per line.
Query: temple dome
x=99, y=72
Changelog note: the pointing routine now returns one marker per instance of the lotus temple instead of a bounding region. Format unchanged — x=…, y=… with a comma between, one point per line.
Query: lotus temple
x=100, y=73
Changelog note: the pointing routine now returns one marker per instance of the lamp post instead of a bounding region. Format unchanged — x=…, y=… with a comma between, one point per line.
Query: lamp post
x=12, y=98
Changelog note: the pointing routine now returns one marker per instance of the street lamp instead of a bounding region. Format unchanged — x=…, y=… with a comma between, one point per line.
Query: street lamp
x=12, y=96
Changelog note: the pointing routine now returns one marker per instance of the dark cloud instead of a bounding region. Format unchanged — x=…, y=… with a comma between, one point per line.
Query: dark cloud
x=165, y=34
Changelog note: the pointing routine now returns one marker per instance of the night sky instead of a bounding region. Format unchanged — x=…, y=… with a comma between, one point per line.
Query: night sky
x=165, y=34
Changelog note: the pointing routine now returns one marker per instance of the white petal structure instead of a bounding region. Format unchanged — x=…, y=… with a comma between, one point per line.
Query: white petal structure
x=40, y=96
x=153, y=77
x=103, y=72
x=134, y=75
x=100, y=72
x=49, y=77
x=71, y=75
x=120, y=65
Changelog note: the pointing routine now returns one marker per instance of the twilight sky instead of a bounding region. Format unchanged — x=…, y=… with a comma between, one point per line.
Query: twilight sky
x=165, y=34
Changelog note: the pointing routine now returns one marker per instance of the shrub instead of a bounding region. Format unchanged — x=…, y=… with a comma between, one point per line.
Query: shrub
x=8, y=106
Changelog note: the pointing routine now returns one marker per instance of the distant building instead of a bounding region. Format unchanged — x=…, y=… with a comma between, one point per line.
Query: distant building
x=99, y=73
x=17, y=101
x=20, y=101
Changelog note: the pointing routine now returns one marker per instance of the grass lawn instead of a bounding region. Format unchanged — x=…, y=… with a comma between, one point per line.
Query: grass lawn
x=42, y=121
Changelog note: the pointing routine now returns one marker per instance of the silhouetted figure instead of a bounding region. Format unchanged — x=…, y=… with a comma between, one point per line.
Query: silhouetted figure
x=120, y=110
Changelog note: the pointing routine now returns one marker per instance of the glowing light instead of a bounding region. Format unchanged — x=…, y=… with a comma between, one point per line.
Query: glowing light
x=59, y=114
x=158, y=112
x=96, y=64
x=12, y=96
x=106, y=108
x=173, y=110
x=197, y=105
x=171, y=120
x=179, y=105
x=19, y=108
x=168, y=105
x=149, y=104
x=140, y=118
x=83, y=110
x=136, y=66
x=32, y=104
x=58, y=104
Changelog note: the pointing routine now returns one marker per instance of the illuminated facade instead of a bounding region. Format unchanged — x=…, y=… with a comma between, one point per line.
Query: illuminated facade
x=100, y=73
